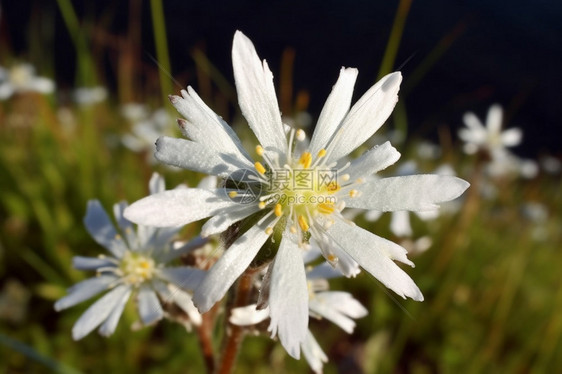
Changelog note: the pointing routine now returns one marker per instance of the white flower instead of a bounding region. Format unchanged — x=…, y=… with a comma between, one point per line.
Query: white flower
x=490, y=137
x=89, y=95
x=336, y=306
x=275, y=213
x=21, y=78
x=136, y=264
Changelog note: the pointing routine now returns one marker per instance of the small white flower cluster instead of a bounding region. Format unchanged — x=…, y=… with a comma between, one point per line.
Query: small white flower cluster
x=21, y=78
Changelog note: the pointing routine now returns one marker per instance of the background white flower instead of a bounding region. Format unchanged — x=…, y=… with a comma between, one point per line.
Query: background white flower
x=21, y=78
x=136, y=264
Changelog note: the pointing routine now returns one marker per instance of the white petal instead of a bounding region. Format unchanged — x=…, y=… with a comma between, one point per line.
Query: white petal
x=288, y=298
x=172, y=294
x=225, y=219
x=101, y=228
x=511, y=137
x=149, y=306
x=376, y=256
x=334, y=110
x=412, y=192
x=376, y=159
x=108, y=327
x=338, y=307
x=313, y=353
x=372, y=215
x=494, y=119
x=472, y=122
x=366, y=117
x=205, y=126
x=6, y=90
x=248, y=315
x=199, y=157
x=256, y=95
x=92, y=263
x=229, y=267
x=125, y=226
x=400, y=223
x=42, y=85
x=323, y=271
x=182, y=276
x=178, y=207
x=174, y=251
x=99, y=311
x=156, y=184
x=208, y=183
x=84, y=290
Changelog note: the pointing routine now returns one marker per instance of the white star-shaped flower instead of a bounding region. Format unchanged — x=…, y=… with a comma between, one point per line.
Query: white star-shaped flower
x=21, y=78
x=277, y=209
x=136, y=265
x=489, y=138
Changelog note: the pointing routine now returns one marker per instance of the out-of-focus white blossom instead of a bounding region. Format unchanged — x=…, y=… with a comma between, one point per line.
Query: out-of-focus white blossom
x=21, y=78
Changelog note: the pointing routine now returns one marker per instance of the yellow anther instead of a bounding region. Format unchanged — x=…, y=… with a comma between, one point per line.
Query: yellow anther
x=302, y=223
x=117, y=237
x=301, y=135
x=306, y=160
x=345, y=177
x=278, y=210
x=321, y=153
x=259, y=150
x=269, y=231
x=326, y=208
x=332, y=258
x=232, y=194
x=259, y=167
x=353, y=193
x=144, y=264
x=262, y=204
x=293, y=229
x=333, y=187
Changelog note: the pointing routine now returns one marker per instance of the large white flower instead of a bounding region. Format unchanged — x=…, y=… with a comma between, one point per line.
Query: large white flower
x=136, y=265
x=490, y=138
x=294, y=192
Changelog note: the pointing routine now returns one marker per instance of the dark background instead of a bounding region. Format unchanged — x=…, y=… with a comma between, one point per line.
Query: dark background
x=506, y=52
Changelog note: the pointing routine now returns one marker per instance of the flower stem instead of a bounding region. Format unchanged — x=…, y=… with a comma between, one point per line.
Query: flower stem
x=206, y=342
x=235, y=334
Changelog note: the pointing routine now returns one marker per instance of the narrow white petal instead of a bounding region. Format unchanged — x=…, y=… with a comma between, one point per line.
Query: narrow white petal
x=172, y=294
x=6, y=90
x=42, y=85
x=400, y=223
x=376, y=256
x=288, y=298
x=176, y=250
x=248, y=315
x=156, y=184
x=84, y=290
x=101, y=228
x=472, y=122
x=208, y=183
x=178, y=207
x=108, y=327
x=319, y=307
x=256, y=95
x=125, y=226
x=412, y=192
x=376, y=159
x=494, y=119
x=182, y=276
x=199, y=157
x=511, y=137
x=149, y=306
x=229, y=267
x=225, y=219
x=99, y=311
x=313, y=353
x=334, y=110
x=323, y=271
x=91, y=263
x=366, y=117
x=202, y=122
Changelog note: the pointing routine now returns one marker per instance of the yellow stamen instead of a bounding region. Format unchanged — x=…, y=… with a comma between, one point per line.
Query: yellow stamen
x=144, y=264
x=333, y=187
x=306, y=160
x=259, y=167
x=303, y=224
x=278, y=210
x=353, y=193
x=293, y=229
x=301, y=135
x=326, y=208
x=232, y=194
x=321, y=153
x=262, y=204
x=259, y=150
x=332, y=258
x=345, y=177
x=269, y=231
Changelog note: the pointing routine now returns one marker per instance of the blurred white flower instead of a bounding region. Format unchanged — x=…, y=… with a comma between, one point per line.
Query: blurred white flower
x=136, y=264
x=89, y=95
x=490, y=138
x=277, y=197
x=21, y=78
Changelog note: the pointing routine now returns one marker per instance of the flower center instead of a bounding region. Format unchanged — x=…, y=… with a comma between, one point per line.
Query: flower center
x=20, y=75
x=136, y=268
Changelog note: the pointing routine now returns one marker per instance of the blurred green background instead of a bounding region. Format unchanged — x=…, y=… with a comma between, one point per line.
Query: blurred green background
x=491, y=277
